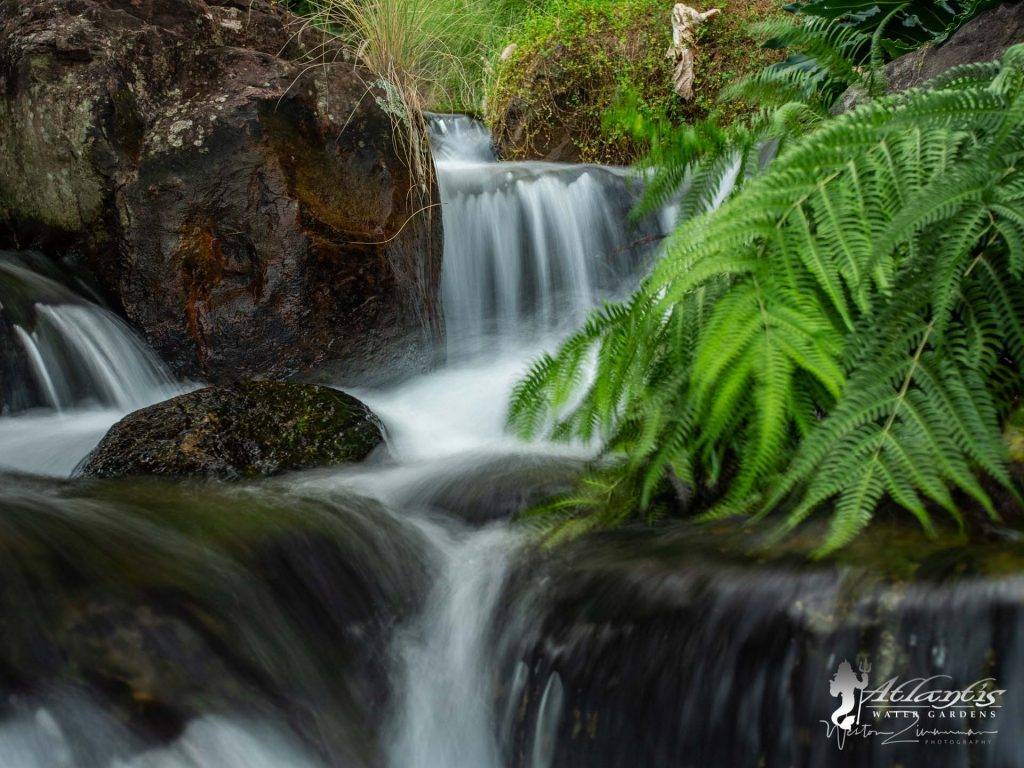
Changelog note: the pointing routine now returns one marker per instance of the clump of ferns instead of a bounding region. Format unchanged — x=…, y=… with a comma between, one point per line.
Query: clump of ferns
x=847, y=329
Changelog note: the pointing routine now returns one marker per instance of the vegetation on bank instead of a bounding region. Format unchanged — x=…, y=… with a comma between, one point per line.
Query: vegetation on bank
x=429, y=54
x=572, y=60
x=846, y=332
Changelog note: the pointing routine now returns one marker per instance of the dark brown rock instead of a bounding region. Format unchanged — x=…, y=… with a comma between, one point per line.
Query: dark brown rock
x=253, y=429
x=155, y=669
x=984, y=38
x=251, y=214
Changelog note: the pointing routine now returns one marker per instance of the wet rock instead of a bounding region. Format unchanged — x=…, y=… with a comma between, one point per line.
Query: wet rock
x=161, y=602
x=156, y=669
x=984, y=38
x=250, y=213
x=237, y=431
x=482, y=491
x=689, y=646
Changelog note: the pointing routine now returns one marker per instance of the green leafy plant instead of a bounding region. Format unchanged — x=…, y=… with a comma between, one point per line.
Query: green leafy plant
x=690, y=165
x=847, y=328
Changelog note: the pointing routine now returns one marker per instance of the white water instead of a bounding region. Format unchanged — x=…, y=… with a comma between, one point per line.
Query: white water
x=87, y=368
x=39, y=739
x=529, y=249
x=445, y=717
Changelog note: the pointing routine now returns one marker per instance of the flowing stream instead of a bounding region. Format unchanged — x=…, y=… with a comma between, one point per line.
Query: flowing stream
x=388, y=614
x=530, y=248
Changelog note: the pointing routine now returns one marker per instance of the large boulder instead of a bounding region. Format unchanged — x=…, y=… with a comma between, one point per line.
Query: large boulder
x=254, y=429
x=984, y=38
x=251, y=213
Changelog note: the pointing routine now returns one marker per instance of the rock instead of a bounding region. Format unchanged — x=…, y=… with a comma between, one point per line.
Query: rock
x=617, y=642
x=156, y=669
x=984, y=38
x=243, y=430
x=251, y=214
x=481, y=490
x=159, y=602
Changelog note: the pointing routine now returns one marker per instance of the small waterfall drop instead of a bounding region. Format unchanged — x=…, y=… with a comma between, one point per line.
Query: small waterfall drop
x=530, y=247
x=68, y=370
x=444, y=660
x=84, y=354
x=80, y=354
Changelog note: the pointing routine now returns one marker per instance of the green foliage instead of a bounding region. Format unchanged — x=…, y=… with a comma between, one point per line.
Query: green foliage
x=901, y=25
x=847, y=328
x=826, y=58
x=432, y=51
x=574, y=58
x=690, y=164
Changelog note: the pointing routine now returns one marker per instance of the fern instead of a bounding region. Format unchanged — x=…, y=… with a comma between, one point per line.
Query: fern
x=695, y=166
x=845, y=330
x=827, y=58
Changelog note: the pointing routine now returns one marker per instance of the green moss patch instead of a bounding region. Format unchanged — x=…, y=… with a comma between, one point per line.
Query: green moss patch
x=574, y=58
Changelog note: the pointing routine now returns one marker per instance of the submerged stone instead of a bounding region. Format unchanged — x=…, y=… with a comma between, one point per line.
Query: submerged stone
x=252, y=429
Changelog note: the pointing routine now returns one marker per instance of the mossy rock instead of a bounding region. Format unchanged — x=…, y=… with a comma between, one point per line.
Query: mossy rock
x=252, y=429
x=572, y=59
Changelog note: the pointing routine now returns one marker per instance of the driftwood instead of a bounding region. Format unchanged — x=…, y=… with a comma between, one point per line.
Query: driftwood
x=685, y=21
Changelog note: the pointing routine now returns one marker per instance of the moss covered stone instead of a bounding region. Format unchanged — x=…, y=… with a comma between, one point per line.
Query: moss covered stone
x=244, y=430
x=549, y=95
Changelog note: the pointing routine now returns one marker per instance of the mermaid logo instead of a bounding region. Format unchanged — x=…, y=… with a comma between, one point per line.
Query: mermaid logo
x=845, y=685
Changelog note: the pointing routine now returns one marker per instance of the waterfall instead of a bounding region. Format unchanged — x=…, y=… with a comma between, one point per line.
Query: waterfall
x=530, y=247
x=388, y=614
x=69, y=369
x=445, y=663
x=80, y=354
x=84, y=354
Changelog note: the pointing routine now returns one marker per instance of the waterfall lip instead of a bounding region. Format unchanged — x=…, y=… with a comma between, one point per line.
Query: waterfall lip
x=24, y=290
x=492, y=175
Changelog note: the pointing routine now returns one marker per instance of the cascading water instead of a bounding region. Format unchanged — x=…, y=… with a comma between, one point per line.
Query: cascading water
x=294, y=623
x=68, y=370
x=530, y=247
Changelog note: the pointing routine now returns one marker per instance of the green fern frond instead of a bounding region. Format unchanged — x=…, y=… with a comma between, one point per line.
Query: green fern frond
x=845, y=331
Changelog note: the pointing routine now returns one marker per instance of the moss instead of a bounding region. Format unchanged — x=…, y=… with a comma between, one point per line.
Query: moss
x=573, y=58
x=251, y=429
x=1013, y=435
